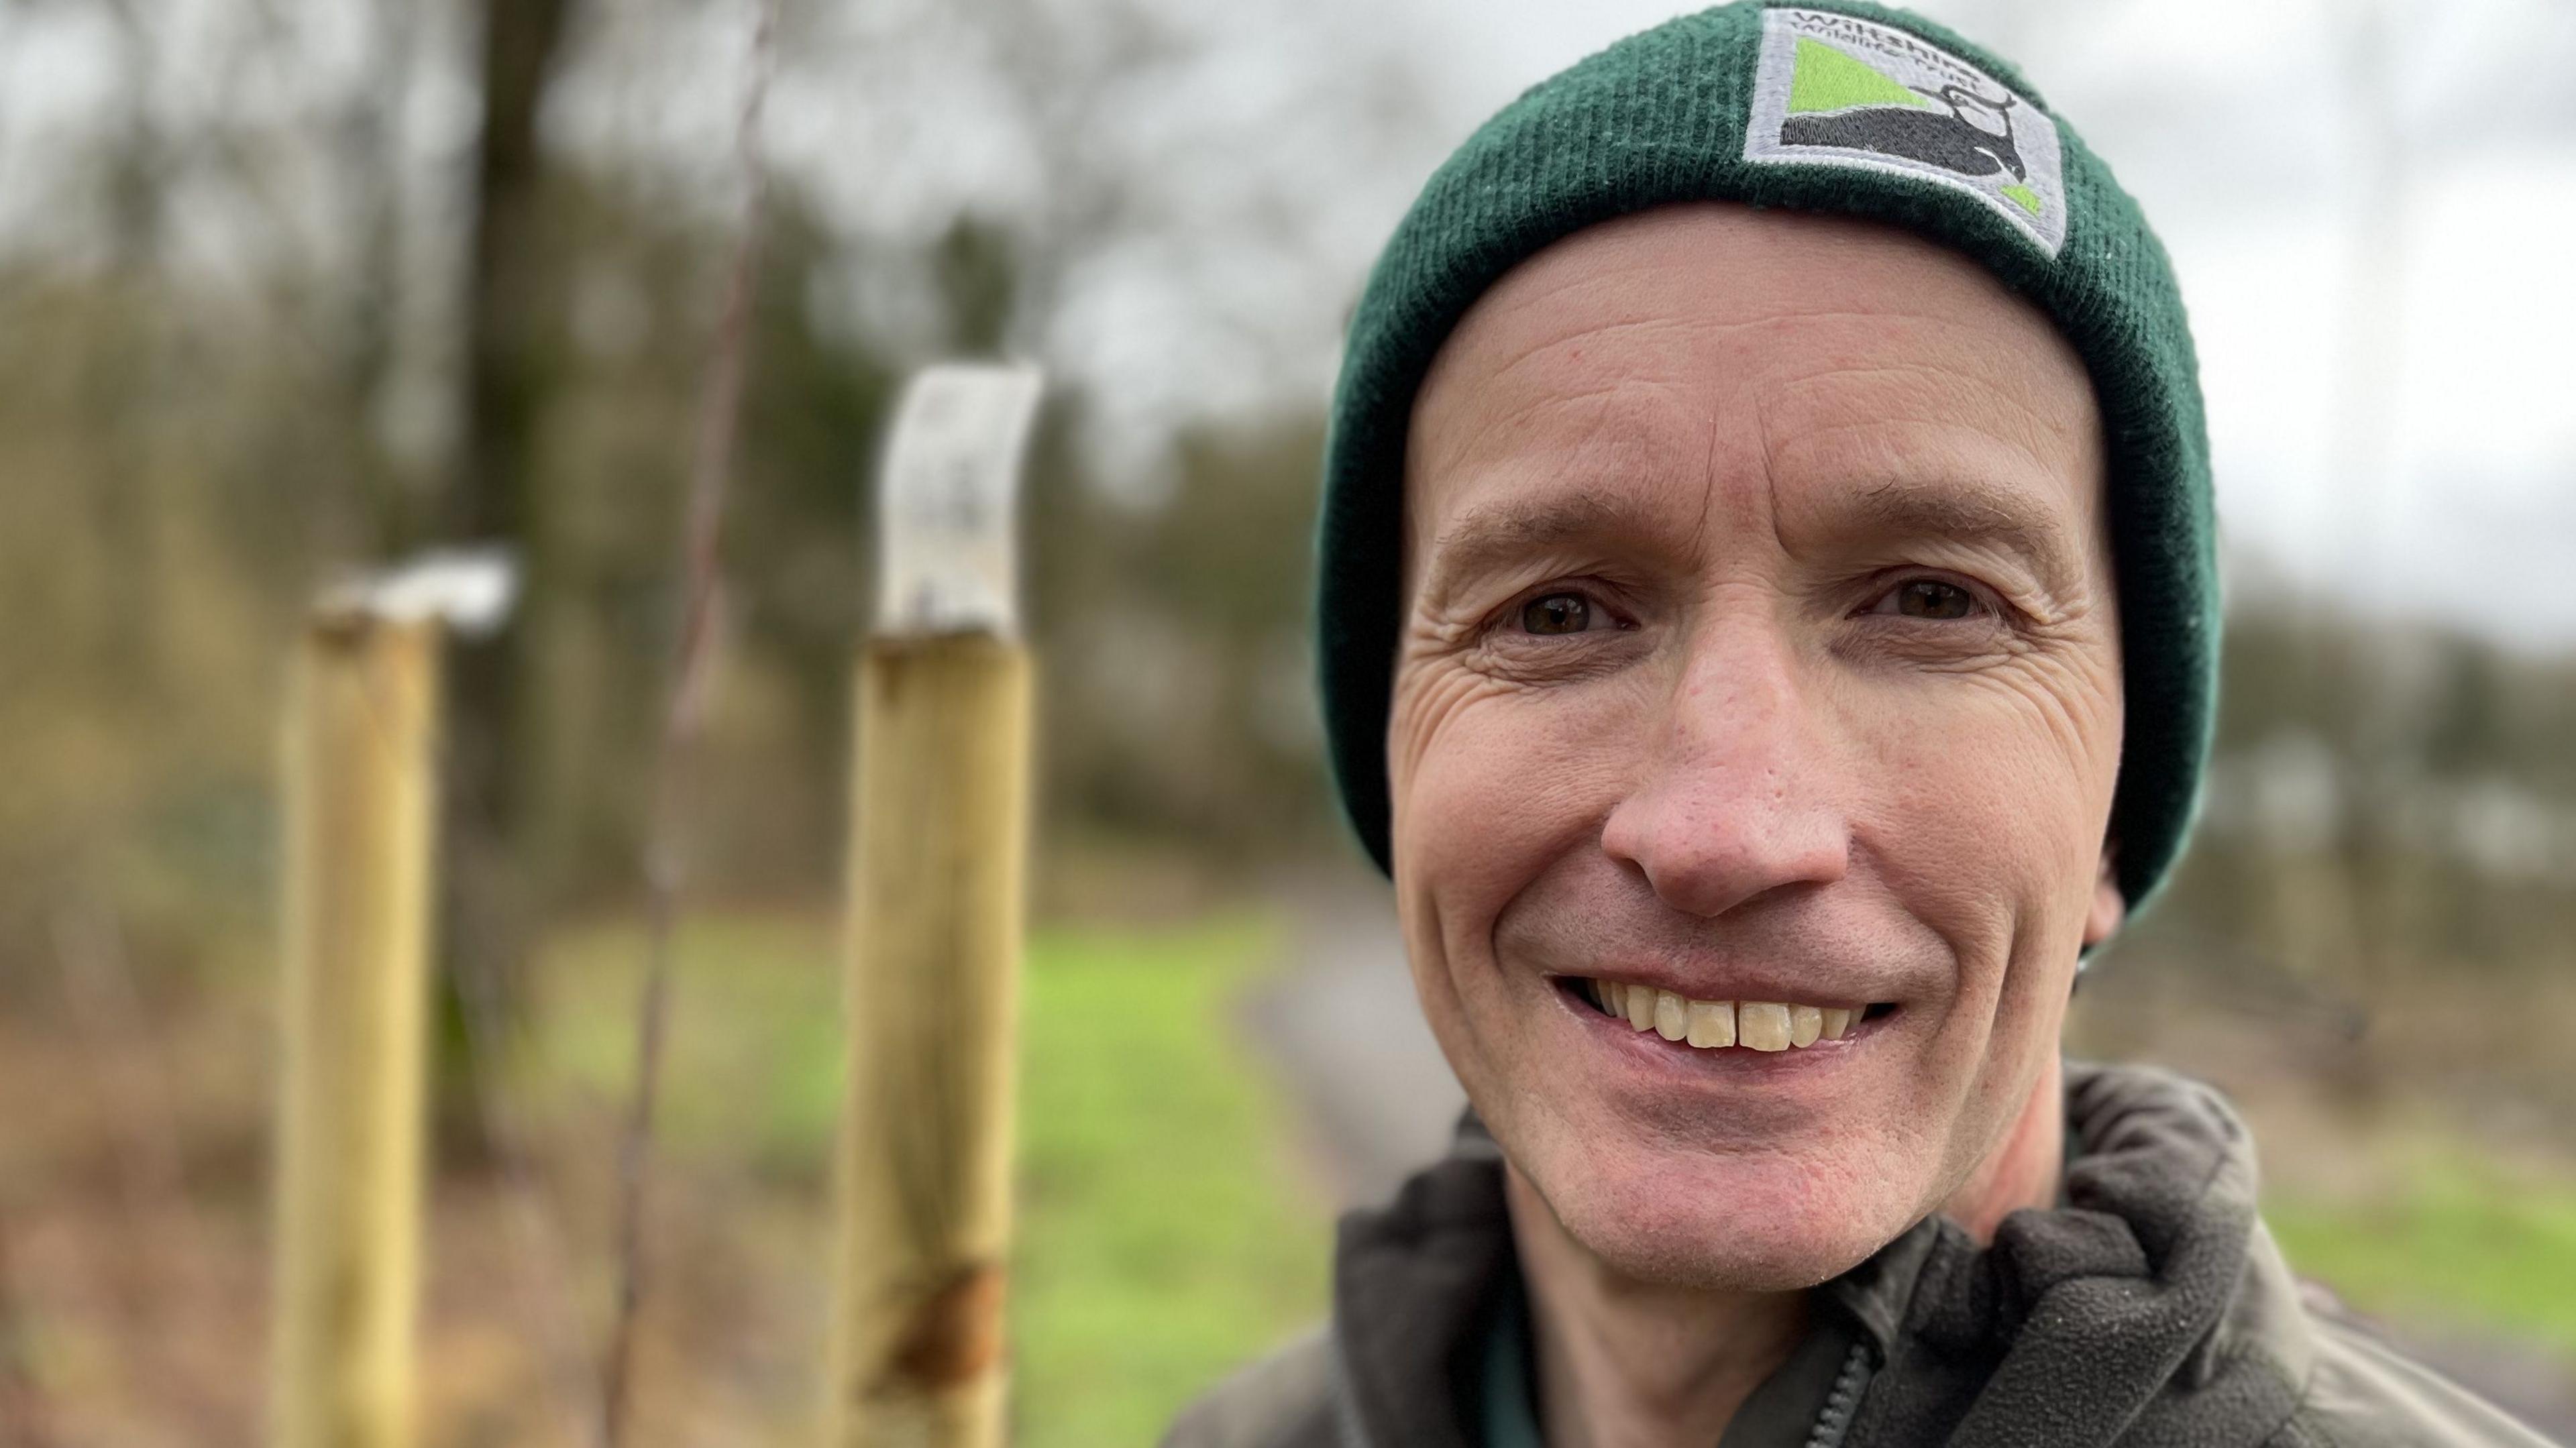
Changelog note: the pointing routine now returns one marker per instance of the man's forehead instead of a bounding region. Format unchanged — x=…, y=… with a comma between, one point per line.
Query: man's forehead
x=1687, y=349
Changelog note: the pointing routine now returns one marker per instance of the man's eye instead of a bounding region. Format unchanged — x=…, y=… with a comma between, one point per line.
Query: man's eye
x=1928, y=598
x=1557, y=613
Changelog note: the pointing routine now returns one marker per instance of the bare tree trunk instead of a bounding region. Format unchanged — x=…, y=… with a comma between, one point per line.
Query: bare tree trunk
x=509, y=332
x=505, y=289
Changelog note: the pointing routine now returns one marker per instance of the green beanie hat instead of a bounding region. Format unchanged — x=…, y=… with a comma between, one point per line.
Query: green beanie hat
x=1840, y=107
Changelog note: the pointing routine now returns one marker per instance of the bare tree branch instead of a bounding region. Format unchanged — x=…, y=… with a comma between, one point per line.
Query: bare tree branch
x=684, y=711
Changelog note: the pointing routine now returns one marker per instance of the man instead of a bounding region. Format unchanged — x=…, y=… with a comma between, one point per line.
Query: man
x=1768, y=628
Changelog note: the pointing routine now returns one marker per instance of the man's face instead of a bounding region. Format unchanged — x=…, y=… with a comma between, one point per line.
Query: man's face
x=1760, y=648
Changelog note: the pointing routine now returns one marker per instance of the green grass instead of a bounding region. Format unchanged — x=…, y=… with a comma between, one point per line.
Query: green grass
x=1165, y=1235
x=1164, y=1239
x=2461, y=1242
x=752, y=1064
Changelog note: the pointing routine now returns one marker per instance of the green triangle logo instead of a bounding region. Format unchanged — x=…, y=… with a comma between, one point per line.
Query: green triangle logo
x=1828, y=80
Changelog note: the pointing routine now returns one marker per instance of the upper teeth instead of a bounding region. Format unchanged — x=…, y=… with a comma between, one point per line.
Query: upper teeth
x=1762, y=1025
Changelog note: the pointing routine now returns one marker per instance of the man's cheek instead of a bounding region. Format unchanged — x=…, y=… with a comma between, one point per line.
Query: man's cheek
x=1975, y=818
x=1505, y=788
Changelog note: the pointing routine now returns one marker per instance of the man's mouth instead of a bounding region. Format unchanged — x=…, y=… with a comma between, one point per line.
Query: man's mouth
x=1722, y=1025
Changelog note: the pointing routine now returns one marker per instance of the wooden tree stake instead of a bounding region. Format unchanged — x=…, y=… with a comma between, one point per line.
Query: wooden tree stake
x=360, y=804
x=361, y=826
x=939, y=841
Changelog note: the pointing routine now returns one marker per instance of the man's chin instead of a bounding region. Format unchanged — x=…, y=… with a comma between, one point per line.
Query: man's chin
x=1778, y=1227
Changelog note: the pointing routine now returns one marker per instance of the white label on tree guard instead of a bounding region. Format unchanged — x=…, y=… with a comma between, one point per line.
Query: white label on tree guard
x=469, y=590
x=947, y=557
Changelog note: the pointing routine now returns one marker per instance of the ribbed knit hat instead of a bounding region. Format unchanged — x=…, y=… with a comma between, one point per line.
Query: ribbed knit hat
x=1839, y=107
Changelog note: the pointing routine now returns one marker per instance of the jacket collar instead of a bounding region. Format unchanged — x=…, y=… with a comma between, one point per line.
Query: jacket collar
x=2150, y=1292
x=1412, y=1281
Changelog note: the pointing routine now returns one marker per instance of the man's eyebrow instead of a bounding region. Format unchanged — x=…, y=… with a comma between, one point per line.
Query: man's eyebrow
x=1498, y=533
x=1975, y=513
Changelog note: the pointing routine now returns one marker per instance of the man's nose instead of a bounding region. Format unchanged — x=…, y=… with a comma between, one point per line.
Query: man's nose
x=1736, y=795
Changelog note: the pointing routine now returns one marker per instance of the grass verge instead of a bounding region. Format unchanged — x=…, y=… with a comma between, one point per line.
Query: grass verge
x=1165, y=1239
x=1165, y=1235
x=2458, y=1241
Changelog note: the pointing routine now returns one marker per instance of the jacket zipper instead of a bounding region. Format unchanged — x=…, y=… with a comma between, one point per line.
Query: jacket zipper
x=1836, y=1417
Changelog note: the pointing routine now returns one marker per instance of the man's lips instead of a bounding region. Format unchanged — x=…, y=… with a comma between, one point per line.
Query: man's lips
x=1724, y=1025
x=1756, y=980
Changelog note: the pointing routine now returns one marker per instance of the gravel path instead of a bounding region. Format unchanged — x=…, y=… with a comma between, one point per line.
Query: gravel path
x=1342, y=1027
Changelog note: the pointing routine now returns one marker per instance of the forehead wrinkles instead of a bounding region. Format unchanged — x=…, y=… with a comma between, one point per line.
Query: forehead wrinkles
x=1560, y=400
x=1633, y=388
x=1504, y=379
x=1612, y=461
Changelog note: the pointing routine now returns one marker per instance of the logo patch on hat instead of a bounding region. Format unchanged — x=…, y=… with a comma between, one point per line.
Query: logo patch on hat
x=1837, y=90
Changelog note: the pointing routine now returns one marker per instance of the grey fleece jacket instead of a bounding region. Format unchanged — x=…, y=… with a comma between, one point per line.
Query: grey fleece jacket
x=2148, y=1308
